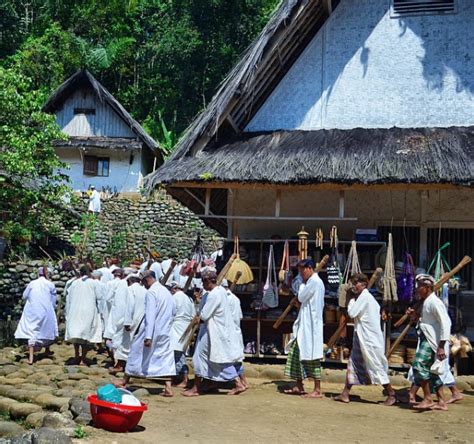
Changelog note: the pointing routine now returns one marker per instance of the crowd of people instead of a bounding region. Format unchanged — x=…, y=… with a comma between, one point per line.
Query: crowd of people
x=143, y=319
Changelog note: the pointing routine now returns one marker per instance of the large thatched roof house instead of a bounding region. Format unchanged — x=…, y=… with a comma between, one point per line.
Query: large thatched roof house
x=354, y=113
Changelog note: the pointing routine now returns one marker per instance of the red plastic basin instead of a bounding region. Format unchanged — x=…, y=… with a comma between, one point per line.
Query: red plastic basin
x=115, y=417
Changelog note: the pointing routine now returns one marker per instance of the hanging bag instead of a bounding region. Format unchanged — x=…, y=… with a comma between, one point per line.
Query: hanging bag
x=352, y=267
x=333, y=271
x=270, y=291
x=406, y=280
x=284, y=275
x=246, y=275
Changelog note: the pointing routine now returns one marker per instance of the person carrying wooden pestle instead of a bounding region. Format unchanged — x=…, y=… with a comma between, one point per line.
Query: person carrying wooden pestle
x=306, y=345
x=367, y=363
x=434, y=332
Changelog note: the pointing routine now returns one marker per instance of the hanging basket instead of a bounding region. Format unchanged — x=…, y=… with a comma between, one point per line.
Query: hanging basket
x=239, y=266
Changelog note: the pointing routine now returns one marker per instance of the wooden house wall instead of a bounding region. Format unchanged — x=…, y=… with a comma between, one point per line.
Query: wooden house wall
x=367, y=69
x=105, y=122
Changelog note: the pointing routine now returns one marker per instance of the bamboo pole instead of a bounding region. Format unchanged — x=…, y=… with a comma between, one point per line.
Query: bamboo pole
x=165, y=278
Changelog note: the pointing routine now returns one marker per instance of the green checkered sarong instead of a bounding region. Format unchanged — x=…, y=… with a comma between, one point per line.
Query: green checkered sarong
x=424, y=359
x=297, y=369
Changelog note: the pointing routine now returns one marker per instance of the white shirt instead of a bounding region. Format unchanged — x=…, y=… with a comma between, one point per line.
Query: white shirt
x=308, y=327
x=94, y=202
x=434, y=322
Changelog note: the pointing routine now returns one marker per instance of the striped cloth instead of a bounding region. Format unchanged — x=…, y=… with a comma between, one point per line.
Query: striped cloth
x=299, y=370
x=424, y=359
x=356, y=369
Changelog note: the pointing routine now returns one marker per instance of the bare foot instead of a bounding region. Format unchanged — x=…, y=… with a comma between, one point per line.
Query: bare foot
x=440, y=406
x=341, y=398
x=31, y=363
x=115, y=370
x=424, y=405
x=314, y=394
x=119, y=383
x=191, y=392
x=237, y=390
x=391, y=400
x=183, y=384
x=455, y=398
x=83, y=364
x=294, y=391
x=167, y=393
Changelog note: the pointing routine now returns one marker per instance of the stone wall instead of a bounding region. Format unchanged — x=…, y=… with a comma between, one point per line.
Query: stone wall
x=123, y=228
x=162, y=224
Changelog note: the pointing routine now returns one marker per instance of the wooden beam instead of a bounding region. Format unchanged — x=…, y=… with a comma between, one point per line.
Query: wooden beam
x=278, y=203
x=318, y=186
x=281, y=218
x=341, y=204
x=207, y=204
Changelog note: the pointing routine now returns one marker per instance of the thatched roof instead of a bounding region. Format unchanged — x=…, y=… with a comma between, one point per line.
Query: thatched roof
x=84, y=78
x=357, y=156
x=260, y=69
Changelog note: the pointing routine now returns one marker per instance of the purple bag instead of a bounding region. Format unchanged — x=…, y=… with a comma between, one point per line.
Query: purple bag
x=406, y=280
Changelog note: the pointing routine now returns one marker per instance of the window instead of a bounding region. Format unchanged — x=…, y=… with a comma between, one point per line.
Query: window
x=89, y=111
x=96, y=166
x=401, y=8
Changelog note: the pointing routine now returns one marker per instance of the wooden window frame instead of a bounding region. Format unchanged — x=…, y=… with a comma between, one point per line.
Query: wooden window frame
x=91, y=166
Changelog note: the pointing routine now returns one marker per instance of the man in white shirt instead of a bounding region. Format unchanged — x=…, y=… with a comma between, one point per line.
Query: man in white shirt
x=367, y=363
x=185, y=312
x=38, y=324
x=305, y=349
x=94, y=201
x=434, y=332
x=217, y=346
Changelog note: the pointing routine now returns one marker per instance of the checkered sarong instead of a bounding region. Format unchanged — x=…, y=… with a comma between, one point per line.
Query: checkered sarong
x=424, y=359
x=299, y=370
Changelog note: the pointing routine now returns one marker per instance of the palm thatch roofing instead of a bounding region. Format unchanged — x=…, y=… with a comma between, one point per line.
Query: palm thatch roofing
x=357, y=156
x=84, y=78
x=261, y=67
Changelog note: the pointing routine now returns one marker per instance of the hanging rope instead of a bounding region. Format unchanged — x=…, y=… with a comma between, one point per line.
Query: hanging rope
x=389, y=280
x=352, y=264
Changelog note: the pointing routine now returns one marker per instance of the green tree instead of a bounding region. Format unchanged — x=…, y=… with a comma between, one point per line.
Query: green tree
x=30, y=181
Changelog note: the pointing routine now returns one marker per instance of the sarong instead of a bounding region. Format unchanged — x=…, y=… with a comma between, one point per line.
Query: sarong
x=424, y=359
x=180, y=362
x=356, y=369
x=299, y=370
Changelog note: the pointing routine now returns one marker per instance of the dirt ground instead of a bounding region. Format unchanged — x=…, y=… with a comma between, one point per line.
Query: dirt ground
x=263, y=414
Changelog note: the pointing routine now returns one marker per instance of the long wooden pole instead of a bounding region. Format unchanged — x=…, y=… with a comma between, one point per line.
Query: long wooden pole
x=167, y=275
x=294, y=300
x=445, y=278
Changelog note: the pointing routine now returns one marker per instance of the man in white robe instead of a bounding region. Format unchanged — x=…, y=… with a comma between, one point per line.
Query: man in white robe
x=236, y=311
x=151, y=354
x=83, y=323
x=120, y=300
x=305, y=349
x=94, y=201
x=155, y=266
x=367, y=363
x=434, y=333
x=185, y=312
x=217, y=347
x=134, y=312
x=38, y=323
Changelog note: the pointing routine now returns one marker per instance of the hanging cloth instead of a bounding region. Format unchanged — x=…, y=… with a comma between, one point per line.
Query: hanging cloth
x=389, y=280
x=270, y=289
x=239, y=265
x=352, y=267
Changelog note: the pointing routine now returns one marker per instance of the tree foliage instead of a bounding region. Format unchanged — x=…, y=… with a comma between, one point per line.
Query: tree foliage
x=163, y=59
